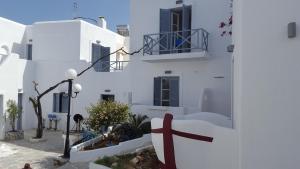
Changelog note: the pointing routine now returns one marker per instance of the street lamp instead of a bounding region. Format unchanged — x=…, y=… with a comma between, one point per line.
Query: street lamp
x=71, y=74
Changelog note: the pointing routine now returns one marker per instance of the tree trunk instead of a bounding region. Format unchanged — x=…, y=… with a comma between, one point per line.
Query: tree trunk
x=13, y=125
x=39, y=130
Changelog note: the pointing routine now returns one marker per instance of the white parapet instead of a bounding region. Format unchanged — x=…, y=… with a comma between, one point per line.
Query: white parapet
x=221, y=153
x=77, y=155
x=93, y=165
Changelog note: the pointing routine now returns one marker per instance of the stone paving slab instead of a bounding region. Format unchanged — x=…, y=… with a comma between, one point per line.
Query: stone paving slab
x=42, y=155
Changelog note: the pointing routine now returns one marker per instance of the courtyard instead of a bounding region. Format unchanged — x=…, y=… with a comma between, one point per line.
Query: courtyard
x=42, y=155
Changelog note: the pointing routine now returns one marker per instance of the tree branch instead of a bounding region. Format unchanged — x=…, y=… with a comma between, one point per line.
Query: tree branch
x=35, y=87
x=50, y=89
x=34, y=103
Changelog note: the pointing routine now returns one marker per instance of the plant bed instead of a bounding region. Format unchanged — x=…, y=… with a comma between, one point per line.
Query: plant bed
x=14, y=135
x=73, y=137
x=145, y=159
x=79, y=154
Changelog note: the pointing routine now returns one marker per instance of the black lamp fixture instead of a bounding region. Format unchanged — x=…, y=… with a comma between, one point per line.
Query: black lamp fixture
x=71, y=74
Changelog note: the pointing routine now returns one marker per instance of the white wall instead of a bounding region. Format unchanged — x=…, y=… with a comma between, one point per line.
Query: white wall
x=266, y=84
x=58, y=41
x=60, y=45
x=12, y=69
x=194, y=74
x=93, y=85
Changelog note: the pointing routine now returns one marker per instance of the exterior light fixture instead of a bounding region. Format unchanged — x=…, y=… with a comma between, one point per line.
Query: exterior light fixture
x=77, y=88
x=230, y=48
x=70, y=74
x=292, y=30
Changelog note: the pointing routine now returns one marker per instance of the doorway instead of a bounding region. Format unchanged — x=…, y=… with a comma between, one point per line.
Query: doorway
x=20, y=106
x=107, y=97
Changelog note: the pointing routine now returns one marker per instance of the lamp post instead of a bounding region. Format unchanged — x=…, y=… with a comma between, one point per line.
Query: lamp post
x=71, y=74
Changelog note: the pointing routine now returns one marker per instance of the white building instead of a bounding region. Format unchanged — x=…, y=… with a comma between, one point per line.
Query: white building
x=191, y=61
x=266, y=81
x=183, y=47
x=184, y=68
x=42, y=52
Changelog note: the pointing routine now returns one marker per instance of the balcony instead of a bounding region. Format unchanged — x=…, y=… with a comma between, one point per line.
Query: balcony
x=110, y=66
x=176, y=45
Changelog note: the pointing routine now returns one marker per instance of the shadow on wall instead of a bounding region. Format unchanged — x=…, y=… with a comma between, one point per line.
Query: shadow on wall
x=17, y=49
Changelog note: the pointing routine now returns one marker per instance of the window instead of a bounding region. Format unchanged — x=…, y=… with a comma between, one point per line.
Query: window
x=107, y=97
x=98, y=52
x=60, y=102
x=29, y=52
x=175, y=29
x=1, y=105
x=166, y=91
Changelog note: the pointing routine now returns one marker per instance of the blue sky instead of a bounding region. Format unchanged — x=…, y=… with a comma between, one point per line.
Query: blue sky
x=29, y=11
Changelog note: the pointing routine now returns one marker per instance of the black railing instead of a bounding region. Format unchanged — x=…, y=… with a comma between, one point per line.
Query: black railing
x=110, y=66
x=176, y=42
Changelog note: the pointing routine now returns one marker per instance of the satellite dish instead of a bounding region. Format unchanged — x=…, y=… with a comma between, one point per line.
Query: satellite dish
x=77, y=118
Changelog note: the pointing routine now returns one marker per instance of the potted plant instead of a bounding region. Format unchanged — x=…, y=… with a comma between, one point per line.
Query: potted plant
x=13, y=113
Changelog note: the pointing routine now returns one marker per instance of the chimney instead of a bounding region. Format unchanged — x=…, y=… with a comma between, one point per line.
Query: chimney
x=102, y=22
x=123, y=30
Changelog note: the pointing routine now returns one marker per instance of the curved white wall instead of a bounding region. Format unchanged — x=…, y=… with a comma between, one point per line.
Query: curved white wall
x=195, y=154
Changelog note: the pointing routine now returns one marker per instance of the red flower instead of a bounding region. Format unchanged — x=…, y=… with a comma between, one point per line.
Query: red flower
x=222, y=25
x=223, y=33
x=230, y=20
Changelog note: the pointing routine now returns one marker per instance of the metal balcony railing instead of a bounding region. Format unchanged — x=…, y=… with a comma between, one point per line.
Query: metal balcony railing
x=176, y=42
x=110, y=66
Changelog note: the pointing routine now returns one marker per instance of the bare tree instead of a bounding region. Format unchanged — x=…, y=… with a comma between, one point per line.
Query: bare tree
x=36, y=101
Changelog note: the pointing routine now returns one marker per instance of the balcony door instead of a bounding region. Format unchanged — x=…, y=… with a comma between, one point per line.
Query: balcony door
x=175, y=26
x=98, y=52
x=20, y=106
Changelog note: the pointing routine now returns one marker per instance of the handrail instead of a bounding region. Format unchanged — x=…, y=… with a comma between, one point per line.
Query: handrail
x=176, y=42
x=111, y=66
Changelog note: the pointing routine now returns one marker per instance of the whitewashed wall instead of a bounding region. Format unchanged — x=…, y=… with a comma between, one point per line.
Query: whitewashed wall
x=266, y=84
x=12, y=77
x=58, y=46
x=194, y=74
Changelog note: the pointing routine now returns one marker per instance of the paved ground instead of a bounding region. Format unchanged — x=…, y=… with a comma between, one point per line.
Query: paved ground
x=44, y=155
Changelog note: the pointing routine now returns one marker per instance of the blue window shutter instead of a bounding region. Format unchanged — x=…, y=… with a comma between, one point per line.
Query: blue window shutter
x=165, y=26
x=56, y=102
x=105, y=66
x=186, y=26
x=96, y=54
x=64, y=103
x=157, y=91
x=174, y=91
x=29, y=52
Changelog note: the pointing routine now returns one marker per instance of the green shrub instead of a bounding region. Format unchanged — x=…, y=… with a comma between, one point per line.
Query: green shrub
x=136, y=127
x=106, y=113
x=13, y=112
